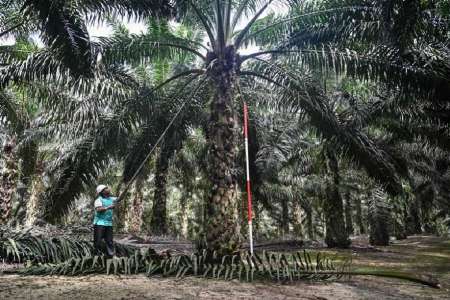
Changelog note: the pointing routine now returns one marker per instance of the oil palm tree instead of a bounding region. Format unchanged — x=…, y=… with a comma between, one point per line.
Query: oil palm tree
x=16, y=114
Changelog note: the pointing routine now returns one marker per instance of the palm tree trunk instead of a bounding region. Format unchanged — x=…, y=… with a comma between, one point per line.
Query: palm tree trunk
x=413, y=222
x=336, y=234
x=135, y=211
x=359, y=217
x=427, y=219
x=401, y=230
x=427, y=198
x=183, y=217
x=284, y=217
x=28, y=164
x=221, y=224
x=121, y=211
x=379, y=219
x=187, y=196
x=158, y=223
x=8, y=181
x=257, y=209
x=310, y=224
x=34, y=206
x=297, y=219
x=348, y=215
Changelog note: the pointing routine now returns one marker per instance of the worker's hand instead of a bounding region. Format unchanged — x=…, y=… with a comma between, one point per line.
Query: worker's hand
x=111, y=207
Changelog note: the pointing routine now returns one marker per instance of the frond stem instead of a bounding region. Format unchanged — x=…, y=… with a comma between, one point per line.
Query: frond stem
x=298, y=17
x=179, y=75
x=204, y=20
x=11, y=29
x=273, y=51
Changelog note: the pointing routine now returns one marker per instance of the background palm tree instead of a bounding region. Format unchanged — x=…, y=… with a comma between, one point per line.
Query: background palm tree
x=16, y=114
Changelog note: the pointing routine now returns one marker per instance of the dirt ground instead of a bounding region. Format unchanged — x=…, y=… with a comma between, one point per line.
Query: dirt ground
x=418, y=255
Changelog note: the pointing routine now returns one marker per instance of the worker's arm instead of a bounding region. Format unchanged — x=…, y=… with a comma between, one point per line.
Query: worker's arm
x=103, y=208
x=114, y=199
x=99, y=206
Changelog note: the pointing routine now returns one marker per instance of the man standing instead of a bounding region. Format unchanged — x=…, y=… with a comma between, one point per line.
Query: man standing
x=103, y=220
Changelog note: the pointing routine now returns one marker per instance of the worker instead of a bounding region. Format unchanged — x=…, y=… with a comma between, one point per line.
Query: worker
x=103, y=220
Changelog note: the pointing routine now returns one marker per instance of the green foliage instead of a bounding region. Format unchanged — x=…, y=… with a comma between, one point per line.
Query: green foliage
x=159, y=44
x=133, y=261
x=64, y=29
x=24, y=247
x=243, y=266
x=35, y=249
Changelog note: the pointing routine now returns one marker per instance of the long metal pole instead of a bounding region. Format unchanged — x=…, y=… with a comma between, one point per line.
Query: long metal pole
x=249, y=191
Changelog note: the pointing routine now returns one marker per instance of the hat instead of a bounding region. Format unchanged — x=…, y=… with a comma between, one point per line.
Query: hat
x=100, y=188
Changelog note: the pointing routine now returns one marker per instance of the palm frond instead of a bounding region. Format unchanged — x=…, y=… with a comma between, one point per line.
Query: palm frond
x=12, y=115
x=200, y=12
x=97, y=11
x=241, y=35
x=265, y=266
x=376, y=161
x=154, y=46
x=12, y=21
x=64, y=31
x=313, y=22
x=23, y=246
x=351, y=38
x=156, y=117
x=80, y=164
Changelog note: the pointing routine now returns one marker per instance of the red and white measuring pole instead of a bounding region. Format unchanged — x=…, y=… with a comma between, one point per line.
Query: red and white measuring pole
x=249, y=191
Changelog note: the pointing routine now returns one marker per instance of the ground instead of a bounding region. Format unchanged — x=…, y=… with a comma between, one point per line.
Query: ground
x=419, y=255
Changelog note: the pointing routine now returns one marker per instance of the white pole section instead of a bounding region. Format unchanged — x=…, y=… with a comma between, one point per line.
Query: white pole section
x=249, y=192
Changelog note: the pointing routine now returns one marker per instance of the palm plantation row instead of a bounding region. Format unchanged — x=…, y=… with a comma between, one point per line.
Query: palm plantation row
x=348, y=113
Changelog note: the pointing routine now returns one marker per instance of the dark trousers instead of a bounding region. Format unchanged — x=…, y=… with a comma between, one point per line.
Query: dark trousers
x=106, y=233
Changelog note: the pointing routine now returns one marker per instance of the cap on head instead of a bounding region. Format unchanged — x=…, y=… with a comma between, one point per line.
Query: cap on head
x=100, y=188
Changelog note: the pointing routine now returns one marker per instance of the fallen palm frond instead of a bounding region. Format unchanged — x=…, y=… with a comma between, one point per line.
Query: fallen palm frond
x=422, y=279
x=72, y=256
x=248, y=267
x=280, y=267
x=133, y=264
x=243, y=266
x=26, y=247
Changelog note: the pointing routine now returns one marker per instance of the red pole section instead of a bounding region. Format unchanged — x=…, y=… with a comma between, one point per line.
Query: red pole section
x=249, y=191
